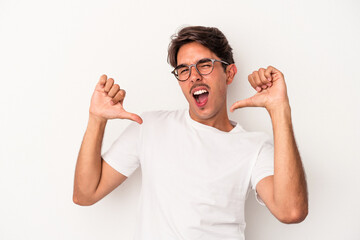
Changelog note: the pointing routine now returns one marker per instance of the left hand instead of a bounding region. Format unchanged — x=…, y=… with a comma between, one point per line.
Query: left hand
x=271, y=90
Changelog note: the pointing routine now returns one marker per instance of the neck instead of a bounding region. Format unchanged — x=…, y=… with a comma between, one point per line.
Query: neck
x=220, y=120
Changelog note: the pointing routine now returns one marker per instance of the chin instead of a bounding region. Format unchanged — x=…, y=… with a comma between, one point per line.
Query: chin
x=203, y=113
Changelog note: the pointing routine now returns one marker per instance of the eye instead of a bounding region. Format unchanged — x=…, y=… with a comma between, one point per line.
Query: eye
x=183, y=70
x=205, y=65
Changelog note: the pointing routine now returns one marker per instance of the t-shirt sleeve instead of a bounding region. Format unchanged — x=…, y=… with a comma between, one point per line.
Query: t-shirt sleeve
x=123, y=155
x=264, y=165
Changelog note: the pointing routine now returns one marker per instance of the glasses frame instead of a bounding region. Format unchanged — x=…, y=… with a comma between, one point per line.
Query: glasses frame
x=190, y=66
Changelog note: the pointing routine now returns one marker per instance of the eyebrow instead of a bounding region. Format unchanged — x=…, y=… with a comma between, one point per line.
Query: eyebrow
x=204, y=60
x=181, y=65
x=199, y=61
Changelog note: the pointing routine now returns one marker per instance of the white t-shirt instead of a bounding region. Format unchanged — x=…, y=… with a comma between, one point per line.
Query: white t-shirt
x=195, y=178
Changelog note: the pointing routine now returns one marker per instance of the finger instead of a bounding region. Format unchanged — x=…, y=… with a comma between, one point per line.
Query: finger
x=102, y=80
x=242, y=103
x=256, y=79
x=119, y=96
x=131, y=116
x=251, y=81
x=108, y=84
x=263, y=78
x=122, y=100
x=113, y=91
x=269, y=71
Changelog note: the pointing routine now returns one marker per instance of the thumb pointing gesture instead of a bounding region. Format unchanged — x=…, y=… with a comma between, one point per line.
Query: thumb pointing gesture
x=260, y=99
x=107, y=101
x=131, y=116
x=243, y=103
x=271, y=90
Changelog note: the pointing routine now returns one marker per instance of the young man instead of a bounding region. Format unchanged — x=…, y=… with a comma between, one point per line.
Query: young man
x=197, y=165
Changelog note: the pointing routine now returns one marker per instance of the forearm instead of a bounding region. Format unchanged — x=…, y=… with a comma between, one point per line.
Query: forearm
x=290, y=190
x=88, y=166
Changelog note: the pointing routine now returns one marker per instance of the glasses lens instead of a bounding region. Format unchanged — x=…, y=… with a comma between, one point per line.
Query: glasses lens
x=182, y=73
x=205, y=66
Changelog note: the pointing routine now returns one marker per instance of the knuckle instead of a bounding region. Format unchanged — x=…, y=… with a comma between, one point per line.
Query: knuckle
x=120, y=96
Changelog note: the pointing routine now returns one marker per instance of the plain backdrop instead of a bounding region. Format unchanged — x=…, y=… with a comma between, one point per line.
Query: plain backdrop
x=52, y=54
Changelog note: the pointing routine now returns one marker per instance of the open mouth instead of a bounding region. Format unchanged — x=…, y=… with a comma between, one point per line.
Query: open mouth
x=201, y=97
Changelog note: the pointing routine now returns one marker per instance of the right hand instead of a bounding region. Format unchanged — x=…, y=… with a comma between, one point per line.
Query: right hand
x=107, y=101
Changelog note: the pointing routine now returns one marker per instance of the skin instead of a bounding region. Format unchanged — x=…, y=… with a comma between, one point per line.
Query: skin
x=94, y=178
x=214, y=113
x=284, y=193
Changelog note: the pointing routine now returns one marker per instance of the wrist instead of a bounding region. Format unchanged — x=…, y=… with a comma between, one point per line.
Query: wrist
x=275, y=109
x=281, y=118
x=94, y=119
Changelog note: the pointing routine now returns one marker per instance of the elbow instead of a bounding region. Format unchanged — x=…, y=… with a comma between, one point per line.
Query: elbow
x=294, y=216
x=82, y=201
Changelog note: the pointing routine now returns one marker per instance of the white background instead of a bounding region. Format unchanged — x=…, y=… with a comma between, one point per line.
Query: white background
x=53, y=52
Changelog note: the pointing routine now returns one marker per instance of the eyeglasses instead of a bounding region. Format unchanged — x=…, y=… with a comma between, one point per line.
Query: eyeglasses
x=204, y=66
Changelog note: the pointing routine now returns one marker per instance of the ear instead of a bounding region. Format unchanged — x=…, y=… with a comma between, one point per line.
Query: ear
x=231, y=70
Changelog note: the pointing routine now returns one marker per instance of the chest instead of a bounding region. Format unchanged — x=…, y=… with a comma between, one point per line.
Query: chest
x=197, y=162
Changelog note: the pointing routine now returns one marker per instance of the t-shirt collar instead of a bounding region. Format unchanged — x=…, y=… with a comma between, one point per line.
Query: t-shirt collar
x=237, y=128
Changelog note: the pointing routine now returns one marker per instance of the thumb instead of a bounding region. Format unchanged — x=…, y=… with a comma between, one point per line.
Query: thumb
x=242, y=103
x=131, y=116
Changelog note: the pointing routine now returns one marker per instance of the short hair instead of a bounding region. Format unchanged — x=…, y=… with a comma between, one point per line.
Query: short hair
x=210, y=37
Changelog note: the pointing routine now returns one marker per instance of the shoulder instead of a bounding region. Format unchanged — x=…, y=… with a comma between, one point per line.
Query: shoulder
x=256, y=137
x=264, y=140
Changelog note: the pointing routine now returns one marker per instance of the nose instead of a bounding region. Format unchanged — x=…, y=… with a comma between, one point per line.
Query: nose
x=194, y=74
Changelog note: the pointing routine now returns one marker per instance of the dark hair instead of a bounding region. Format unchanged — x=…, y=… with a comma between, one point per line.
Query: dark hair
x=210, y=37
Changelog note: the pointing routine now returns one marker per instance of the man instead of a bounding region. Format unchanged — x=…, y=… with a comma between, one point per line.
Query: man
x=197, y=165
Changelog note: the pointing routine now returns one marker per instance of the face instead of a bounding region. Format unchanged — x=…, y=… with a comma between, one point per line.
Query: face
x=211, y=105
